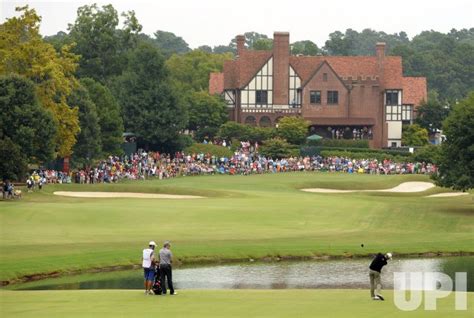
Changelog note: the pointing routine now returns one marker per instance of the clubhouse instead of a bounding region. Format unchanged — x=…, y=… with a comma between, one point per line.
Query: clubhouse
x=348, y=97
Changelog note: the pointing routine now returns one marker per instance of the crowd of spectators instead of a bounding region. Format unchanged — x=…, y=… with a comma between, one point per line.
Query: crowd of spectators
x=144, y=165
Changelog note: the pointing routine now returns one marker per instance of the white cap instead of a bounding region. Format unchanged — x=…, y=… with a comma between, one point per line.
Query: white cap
x=389, y=255
x=152, y=243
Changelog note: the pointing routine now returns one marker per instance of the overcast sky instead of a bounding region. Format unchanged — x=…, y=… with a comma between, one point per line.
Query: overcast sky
x=215, y=22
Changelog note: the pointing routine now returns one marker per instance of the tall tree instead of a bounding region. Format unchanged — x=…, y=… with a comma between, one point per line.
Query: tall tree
x=24, y=121
x=109, y=113
x=447, y=60
x=88, y=146
x=263, y=44
x=206, y=114
x=192, y=69
x=205, y=48
x=99, y=41
x=221, y=49
x=170, y=44
x=23, y=51
x=306, y=48
x=250, y=39
x=354, y=43
x=432, y=113
x=456, y=167
x=150, y=107
x=13, y=165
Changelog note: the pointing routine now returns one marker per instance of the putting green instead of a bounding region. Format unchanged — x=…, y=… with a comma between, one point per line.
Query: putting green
x=240, y=217
x=211, y=303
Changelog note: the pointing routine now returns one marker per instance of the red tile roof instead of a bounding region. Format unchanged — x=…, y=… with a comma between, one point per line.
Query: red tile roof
x=352, y=66
x=414, y=90
x=239, y=72
x=216, y=83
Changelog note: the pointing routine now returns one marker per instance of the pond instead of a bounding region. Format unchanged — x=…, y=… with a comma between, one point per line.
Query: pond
x=348, y=273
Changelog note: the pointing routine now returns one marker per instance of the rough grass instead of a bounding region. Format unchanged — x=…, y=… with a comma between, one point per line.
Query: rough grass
x=242, y=217
x=209, y=303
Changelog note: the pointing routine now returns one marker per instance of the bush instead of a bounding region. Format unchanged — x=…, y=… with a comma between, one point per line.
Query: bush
x=242, y=132
x=414, y=135
x=278, y=148
x=429, y=153
x=215, y=150
x=293, y=129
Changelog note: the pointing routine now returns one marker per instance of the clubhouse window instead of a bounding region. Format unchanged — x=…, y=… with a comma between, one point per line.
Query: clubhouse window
x=333, y=97
x=391, y=98
x=261, y=96
x=315, y=97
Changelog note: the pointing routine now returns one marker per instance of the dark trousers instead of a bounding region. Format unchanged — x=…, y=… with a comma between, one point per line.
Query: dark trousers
x=165, y=275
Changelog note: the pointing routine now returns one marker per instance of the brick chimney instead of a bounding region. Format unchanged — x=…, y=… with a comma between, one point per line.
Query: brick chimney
x=281, y=65
x=380, y=53
x=380, y=50
x=240, y=39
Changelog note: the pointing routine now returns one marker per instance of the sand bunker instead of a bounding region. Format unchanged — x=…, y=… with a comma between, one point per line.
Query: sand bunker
x=124, y=195
x=405, y=187
x=447, y=194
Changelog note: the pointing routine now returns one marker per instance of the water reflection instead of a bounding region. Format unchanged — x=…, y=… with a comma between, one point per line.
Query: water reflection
x=320, y=274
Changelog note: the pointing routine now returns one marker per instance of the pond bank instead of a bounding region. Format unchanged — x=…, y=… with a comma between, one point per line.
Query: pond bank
x=227, y=261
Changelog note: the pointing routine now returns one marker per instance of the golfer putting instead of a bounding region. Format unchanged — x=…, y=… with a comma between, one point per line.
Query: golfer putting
x=375, y=270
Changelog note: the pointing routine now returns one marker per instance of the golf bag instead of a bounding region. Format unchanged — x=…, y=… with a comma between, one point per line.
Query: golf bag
x=157, y=283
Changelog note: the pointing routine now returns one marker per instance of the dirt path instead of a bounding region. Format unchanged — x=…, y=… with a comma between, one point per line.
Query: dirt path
x=124, y=195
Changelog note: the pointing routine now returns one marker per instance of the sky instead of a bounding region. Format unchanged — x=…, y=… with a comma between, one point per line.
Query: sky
x=215, y=22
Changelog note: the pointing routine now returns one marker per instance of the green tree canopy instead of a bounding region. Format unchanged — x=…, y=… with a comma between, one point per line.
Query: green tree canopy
x=206, y=114
x=24, y=122
x=99, y=41
x=361, y=43
x=191, y=70
x=89, y=145
x=13, y=165
x=278, y=148
x=170, y=44
x=250, y=39
x=306, y=48
x=293, y=129
x=23, y=51
x=109, y=113
x=263, y=44
x=447, y=60
x=430, y=114
x=456, y=167
x=414, y=135
x=150, y=107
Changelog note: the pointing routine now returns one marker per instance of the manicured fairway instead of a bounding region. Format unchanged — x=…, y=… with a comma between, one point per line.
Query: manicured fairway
x=224, y=303
x=242, y=217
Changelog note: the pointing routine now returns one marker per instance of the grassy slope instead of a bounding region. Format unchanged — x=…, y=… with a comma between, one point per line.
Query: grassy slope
x=208, y=303
x=243, y=216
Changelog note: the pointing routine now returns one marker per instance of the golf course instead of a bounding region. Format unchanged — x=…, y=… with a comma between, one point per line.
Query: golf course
x=224, y=219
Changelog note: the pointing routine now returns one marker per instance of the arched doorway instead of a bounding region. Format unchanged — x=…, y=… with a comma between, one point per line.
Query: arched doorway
x=265, y=121
x=250, y=120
